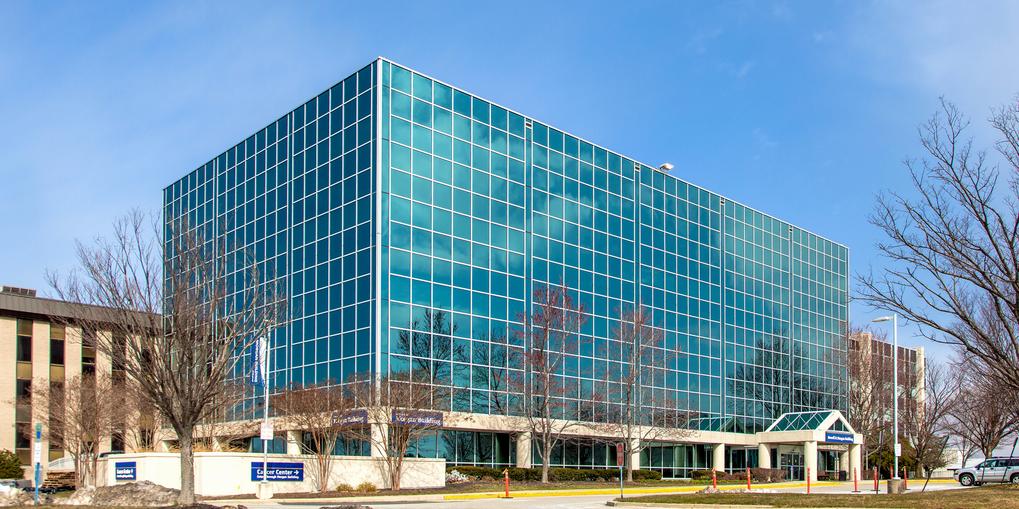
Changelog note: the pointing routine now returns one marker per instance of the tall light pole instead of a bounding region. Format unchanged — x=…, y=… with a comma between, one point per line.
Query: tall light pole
x=895, y=387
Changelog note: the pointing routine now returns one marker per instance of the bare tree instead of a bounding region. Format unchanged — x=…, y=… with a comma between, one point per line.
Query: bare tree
x=141, y=422
x=398, y=411
x=223, y=429
x=983, y=416
x=927, y=429
x=953, y=244
x=640, y=419
x=215, y=307
x=758, y=383
x=319, y=411
x=549, y=335
x=870, y=388
x=84, y=411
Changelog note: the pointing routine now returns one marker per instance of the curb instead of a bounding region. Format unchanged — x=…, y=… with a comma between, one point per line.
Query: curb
x=717, y=506
x=613, y=491
x=330, y=501
x=688, y=506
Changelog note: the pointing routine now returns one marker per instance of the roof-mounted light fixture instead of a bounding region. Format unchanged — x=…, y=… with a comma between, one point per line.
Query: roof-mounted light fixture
x=666, y=167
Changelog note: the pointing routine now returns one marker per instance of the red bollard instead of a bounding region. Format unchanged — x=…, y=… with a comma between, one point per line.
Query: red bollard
x=808, y=480
x=505, y=475
x=875, y=479
x=856, y=488
x=748, y=479
x=714, y=479
x=905, y=479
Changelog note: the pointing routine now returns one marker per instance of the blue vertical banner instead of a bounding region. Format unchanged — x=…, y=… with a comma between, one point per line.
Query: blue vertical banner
x=259, y=352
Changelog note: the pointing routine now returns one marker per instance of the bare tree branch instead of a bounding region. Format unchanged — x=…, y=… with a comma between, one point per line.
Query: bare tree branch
x=216, y=305
x=953, y=244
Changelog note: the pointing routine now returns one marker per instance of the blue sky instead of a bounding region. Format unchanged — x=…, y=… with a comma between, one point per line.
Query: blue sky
x=804, y=110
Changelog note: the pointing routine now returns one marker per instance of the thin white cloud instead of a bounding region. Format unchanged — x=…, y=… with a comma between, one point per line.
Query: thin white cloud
x=745, y=69
x=964, y=51
x=700, y=40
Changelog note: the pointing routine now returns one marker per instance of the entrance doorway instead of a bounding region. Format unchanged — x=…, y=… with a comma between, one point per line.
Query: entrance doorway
x=792, y=463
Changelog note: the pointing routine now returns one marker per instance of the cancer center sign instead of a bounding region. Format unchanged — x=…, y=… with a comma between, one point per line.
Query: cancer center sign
x=125, y=470
x=277, y=471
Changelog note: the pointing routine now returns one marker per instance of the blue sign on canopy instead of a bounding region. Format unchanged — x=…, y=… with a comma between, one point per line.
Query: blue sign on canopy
x=278, y=471
x=838, y=437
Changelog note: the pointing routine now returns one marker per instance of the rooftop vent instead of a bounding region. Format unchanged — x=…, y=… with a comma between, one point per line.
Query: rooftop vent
x=14, y=290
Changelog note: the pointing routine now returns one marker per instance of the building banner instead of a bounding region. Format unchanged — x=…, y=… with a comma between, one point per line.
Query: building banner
x=417, y=418
x=351, y=418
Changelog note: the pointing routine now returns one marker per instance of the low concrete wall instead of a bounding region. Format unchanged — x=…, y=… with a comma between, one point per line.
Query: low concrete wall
x=225, y=473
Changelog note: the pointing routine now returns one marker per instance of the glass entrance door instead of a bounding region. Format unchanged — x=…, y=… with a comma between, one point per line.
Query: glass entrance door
x=792, y=463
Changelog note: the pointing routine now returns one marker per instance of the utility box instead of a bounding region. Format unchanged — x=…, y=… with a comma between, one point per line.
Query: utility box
x=896, y=486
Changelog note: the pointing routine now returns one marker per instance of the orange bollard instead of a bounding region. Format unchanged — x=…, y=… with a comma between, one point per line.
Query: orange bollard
x=748, y=479
x=808, y=480
x=505, y=476
x=905, y=479
x=856, y=488
x=714, y=479
x=875, y=479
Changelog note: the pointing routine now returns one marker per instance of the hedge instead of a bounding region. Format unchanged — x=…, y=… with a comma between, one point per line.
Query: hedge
x=554, y=474
x=756, y=474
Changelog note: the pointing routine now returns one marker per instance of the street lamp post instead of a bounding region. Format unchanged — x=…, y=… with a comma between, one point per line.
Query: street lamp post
x=895, y=388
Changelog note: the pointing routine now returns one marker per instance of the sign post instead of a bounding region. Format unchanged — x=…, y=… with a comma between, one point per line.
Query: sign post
x=260, y=377
x=37, y=459
x=619, y=463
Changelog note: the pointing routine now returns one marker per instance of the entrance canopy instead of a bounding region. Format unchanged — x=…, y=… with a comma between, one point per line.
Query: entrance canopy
x=823, y=426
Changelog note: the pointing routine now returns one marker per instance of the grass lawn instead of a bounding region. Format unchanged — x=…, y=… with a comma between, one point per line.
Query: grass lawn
x=995, y=496
x=487, y=486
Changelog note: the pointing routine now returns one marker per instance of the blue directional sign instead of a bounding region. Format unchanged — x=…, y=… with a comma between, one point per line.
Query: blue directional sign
x=126, y=470
x=278, y=471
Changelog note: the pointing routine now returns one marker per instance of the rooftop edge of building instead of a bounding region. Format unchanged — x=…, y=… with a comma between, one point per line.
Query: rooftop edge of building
x=380, y=59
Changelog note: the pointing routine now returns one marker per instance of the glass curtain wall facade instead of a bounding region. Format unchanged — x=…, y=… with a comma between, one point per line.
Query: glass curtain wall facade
x=412, y=222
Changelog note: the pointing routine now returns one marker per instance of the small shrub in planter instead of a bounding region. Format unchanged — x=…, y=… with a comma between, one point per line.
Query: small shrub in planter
x=367, y=487
x=455, y=476
x=700, y=475
x=647, y=475
x=10, y=466
x=344, y=487
x=767, y=474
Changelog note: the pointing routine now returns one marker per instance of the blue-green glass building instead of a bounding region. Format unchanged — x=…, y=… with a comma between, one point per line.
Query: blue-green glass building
x=411, y=222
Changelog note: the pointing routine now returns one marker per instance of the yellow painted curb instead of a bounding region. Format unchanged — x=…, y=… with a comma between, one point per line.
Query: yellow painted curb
x=628, y=491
